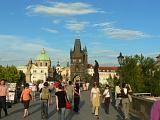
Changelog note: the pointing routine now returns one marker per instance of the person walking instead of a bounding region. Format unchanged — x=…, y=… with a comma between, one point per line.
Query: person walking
x=45, y=95
x=61, y=102
x=34, y=89
x=4, y=92
x=25, y=98
x=106, y=95
x=95, y=100
x=76, y=98
x=70, y=91
x=125, y=101
x=117, y=96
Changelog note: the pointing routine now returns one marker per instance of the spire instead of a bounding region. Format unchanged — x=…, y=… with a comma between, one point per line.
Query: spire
x=43, y=51
x=85, y=49
x=77, y=45
x=58, y=64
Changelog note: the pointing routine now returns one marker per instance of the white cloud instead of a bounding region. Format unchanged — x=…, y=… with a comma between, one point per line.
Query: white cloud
x=18, y=50
x=76, y=26
x=124, y=33
x=50, y=30
x=105, y=24
x=61, y=9
x=105, y=57
x=119, y=33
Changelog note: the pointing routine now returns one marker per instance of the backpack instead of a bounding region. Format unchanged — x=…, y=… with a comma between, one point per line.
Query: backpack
x=45, y=94
x=124, y=93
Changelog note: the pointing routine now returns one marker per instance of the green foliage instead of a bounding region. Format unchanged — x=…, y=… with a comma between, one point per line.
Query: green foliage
x=141, y=73
x=88, y=78
x=11, y=74
x=102, y=87
x=22, y=78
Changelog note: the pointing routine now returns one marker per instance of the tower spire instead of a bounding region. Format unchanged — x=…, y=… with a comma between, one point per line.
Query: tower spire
x=77, y=45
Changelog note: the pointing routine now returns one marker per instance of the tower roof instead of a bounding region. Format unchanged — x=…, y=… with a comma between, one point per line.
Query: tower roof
x=77, y=45
x=43, y=55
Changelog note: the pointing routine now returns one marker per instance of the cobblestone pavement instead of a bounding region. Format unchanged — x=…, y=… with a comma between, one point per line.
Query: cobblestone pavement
x=16, y=112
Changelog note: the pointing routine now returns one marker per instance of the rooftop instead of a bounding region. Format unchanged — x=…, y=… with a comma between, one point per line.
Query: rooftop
x=43, y=55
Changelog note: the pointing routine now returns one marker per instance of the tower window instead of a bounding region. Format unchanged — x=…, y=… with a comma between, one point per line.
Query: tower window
x=46, y=64
x=41, y=64
x=74, y=60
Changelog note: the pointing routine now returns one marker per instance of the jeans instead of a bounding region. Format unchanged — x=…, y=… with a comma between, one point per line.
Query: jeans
x=106, y=103
x=61, y=113
x=76, y=103
x=3, y=105
x=118, y=100
x=44, y=108
x=125, y=107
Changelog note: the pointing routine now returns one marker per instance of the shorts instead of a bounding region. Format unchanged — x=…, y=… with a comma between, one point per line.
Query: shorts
x=26, y=104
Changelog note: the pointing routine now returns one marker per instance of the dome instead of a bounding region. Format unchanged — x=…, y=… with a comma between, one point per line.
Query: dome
x=43, y=55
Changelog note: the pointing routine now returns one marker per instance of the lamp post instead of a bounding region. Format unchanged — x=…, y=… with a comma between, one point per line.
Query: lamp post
x=120, y=61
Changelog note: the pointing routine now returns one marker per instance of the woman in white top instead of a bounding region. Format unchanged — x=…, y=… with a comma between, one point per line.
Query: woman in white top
x=106, y=95
x=95, y=100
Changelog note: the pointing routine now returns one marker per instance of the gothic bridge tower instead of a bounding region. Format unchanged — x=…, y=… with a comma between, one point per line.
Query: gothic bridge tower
x=78, y=60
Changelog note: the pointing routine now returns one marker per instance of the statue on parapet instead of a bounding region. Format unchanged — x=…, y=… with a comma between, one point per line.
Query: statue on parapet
x=96, y=73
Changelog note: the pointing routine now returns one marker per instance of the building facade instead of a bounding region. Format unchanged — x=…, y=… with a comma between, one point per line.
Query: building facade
x=40, y=70
x=64, y=71
x=78, y=61
x=104, y=73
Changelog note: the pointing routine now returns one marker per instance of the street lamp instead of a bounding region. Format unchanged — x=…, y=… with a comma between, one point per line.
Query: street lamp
x=120, y=61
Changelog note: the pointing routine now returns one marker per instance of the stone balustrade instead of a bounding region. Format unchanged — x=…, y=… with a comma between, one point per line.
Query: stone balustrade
x=141, y=106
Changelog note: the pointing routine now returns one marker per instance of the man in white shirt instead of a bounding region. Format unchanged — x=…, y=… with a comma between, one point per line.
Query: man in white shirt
x=106, y=95
x=117, y=95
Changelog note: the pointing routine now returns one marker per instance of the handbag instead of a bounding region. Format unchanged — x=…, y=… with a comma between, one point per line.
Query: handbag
x=68, y=104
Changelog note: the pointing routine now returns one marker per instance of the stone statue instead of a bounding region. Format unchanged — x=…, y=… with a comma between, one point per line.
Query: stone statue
x=96, y=73
x=96, y=66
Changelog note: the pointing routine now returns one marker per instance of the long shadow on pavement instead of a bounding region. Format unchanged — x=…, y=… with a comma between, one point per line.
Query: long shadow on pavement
x=21, y=109
x=52, y=113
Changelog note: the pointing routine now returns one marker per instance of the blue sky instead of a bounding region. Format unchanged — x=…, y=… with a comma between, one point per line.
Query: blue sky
x=106, y=27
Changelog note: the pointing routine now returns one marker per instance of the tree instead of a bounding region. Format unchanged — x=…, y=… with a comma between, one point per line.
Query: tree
x=131, y=72
x=142, y=73
x=88, y=78
x=22, y=78
x=11, y=74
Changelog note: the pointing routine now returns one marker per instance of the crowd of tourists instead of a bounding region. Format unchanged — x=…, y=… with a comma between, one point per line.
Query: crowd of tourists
x=67, y=96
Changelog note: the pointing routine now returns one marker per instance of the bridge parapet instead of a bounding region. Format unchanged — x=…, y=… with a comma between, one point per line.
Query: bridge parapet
x=141, y=105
